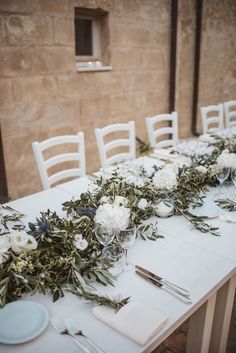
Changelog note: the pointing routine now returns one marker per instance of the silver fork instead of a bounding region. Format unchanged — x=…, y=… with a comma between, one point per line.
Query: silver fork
x=61, y=329
x=75, y=330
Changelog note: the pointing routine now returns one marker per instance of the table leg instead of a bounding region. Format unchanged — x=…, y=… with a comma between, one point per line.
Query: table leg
x=222, y=316
x=200, y=326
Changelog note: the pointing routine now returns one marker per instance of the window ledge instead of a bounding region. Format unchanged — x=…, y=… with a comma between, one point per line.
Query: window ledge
x=93, y=68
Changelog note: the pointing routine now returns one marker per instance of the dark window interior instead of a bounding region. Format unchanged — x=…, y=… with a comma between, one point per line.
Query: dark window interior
x=83, y=37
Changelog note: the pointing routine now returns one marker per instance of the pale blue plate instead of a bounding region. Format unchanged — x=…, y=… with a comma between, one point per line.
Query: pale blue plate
x=21, y=321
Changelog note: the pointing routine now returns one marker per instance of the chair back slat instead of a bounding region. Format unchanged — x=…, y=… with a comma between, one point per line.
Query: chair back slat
x=217, y=119
x=156, y=135
x=104, y=148
x=230, y=113
x=44, y=164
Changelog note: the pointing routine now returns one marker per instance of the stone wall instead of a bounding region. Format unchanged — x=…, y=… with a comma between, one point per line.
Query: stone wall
x=218, y=53
x=42, y=95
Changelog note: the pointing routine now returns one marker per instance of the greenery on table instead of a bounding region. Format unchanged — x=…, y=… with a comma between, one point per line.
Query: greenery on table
x=143, y=147
x=57, y=264
x=227, y=204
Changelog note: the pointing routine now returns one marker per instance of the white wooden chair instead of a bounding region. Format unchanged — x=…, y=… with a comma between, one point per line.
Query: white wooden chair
x=212, y=115
x=155, y=133
x=105, y=148
x=44, y=165
x=230, y=114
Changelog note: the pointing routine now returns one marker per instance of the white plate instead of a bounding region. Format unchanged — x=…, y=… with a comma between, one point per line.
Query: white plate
x=21, y=321
x=209, y=209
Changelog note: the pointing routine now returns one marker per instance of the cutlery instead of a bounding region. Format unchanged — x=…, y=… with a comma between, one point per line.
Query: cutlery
x=171, y=288
x=61, y=329
x=73, y=328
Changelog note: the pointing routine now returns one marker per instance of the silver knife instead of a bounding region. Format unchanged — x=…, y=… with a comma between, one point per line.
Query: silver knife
x=177, y=291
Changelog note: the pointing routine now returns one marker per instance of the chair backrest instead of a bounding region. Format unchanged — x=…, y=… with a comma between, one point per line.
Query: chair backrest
x=230, y=113
x=156, y=134
x=104, y=148
x=44, y=165
x=216, y=118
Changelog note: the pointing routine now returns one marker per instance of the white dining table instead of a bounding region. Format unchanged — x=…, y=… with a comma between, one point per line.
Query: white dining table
x=202, y=263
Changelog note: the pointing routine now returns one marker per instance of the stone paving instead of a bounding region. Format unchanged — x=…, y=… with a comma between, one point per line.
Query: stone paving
x=176, y=343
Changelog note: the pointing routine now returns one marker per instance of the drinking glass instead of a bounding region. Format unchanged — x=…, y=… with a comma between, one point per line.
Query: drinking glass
x=221, y=175
x=126, y=239
x=103, y=235
x=114, y=254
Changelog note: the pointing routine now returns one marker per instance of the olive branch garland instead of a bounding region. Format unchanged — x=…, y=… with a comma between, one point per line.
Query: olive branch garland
x=226, y=204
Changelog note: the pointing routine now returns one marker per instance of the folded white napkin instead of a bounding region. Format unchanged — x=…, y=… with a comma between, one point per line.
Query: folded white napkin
x=135, y=320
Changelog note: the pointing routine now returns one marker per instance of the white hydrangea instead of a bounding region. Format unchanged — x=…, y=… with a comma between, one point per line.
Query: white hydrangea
x=201, y=169
x=4, y=247
x=226, y=160
x=165, y=178
x=80, y=243
x=22, y=241
x=142, y=204
x=121, y=201
x=112, y=217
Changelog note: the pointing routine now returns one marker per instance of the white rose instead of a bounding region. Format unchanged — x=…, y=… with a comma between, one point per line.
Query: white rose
x=120, y=201
x=21, y=240
x=142, y=204
x=18, y=241
x=31, y=243
x=80, y=243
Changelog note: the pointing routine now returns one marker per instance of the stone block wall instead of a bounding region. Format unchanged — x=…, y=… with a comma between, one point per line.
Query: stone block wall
x=42, y=95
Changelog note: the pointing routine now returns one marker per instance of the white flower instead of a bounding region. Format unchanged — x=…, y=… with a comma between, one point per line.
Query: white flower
x=112, y=217
x=31, y=243
x=165, y=178
x=120, y=201
x=226, y=160
x=21, y=240
x=142, y=204
x=80, y=243
x=201, y=169
x=4, y=247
